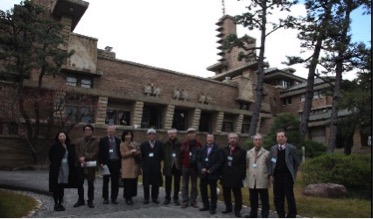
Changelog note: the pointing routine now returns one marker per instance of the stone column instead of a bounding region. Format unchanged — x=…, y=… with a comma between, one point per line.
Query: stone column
x=101, y=110
x=137, y=114
x=168, y=116
x=194, y=117
x=217, y=122
x=237, y=124
x=66, y=21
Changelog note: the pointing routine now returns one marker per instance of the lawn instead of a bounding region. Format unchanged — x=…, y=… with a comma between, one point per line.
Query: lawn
x=15, y=205
x=321, y=207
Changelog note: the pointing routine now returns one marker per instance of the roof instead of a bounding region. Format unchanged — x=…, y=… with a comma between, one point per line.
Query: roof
x=327, y=115
x=317, y=81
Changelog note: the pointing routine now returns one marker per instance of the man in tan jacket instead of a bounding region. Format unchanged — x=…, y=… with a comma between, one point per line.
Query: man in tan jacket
x=257, y=175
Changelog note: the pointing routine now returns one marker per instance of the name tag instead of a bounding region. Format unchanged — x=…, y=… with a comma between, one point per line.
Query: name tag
x=206, y=159
x=64, y=160
x=151, y=154
x=173, y=155
x=273, y=160
x=230, y=158
x=190, y=154
x=111, y=150
x=254, y=165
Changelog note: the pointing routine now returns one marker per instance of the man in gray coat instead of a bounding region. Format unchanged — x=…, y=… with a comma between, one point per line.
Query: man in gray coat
x=284, y=166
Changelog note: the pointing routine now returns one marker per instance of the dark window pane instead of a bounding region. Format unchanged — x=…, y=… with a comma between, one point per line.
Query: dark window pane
x=124, y=118
x=180, y=120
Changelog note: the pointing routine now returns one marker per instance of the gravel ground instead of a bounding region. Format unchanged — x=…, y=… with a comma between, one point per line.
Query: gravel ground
x=35, y=184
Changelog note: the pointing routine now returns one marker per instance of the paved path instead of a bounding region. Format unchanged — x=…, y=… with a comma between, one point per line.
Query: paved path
x=35, y=183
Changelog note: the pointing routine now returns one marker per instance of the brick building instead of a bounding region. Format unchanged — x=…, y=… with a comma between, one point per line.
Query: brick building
x=137, y=96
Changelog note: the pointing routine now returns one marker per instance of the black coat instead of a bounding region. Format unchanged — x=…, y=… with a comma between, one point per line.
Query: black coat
x=213, y=163
x=56, y=154
x=151, y=166
x=103, y=150
x=233, y=175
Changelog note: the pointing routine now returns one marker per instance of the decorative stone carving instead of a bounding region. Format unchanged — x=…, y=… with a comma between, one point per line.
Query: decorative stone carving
x=183, y=95
x=204, y=99
x=151, y=90
x=180, y=94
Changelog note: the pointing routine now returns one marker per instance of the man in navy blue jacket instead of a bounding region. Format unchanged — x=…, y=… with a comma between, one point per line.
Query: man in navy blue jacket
x=210, y=160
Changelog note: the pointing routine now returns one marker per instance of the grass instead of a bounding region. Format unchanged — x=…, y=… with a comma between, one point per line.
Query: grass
x=320, y=207
x=15, y=205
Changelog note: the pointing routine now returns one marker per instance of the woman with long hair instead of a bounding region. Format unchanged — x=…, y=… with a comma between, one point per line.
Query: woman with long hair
x=62, y=170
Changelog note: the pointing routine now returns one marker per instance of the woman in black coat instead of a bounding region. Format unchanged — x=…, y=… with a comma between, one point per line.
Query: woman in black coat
x=62, y=170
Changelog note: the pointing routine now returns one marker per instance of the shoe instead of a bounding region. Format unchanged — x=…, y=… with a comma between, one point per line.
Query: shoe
x=237, y=214
x=79, y=203
x=226, y=211
x=212, y=211
x=90, y=205
x=176, y=202
x=155, y=201
x=184, y=205
x=194, y=205
x=146, y=202
x=106, y=201
x=204, y=209
x=114, y=202
x=59, y=207
x=166, y=202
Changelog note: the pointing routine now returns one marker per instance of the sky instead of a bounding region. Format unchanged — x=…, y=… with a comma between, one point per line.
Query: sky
x=180, y=35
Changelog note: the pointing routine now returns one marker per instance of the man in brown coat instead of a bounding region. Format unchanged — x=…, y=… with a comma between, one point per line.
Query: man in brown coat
x=86, y=152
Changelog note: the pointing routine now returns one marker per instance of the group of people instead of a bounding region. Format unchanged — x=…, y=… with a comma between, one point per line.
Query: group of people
x=186, y=161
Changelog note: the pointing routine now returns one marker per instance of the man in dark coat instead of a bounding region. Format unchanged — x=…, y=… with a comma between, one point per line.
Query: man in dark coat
x=151, y=153
x=109, y=154
x=210, y=160
x=172, y=165
x=283, y=170
x=233, y=173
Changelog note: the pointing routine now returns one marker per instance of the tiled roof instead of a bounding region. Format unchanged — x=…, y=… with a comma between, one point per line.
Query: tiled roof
x=327, y=115
x=316, y=82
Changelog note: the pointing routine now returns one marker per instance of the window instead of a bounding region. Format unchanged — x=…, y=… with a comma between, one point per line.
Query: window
x=79, y=114
x=115, y=117
x=180, y=121
x=151, y=117
x=13, y=128
x=284, y=83
x=302, y=98
x=79, y=81
x=227, y=123
x=244, y=106
x=286, y=101
x=246, y=125
x=205, y=122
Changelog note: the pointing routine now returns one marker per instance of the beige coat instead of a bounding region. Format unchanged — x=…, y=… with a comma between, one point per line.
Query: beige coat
x=257, y=174
x=130, y=169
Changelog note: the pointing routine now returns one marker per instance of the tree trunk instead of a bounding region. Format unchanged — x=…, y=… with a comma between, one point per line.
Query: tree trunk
x=343, y=44
x=260, y=77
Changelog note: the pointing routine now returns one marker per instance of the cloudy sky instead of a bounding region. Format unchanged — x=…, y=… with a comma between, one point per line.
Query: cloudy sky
x=180, y=35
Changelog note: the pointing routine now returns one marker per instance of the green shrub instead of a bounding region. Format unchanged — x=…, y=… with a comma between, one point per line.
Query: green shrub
x=354, y=172
x=314, y=149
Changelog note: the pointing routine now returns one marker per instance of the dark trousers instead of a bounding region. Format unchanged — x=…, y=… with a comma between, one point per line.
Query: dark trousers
x=114, y=177
x=58, y=194
x=176, y=175
x=155, y=192
x=129, y=188
x=91, y=190
x=203, y=184
x=283, y=187
x=228, y=198
x=254, y=197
